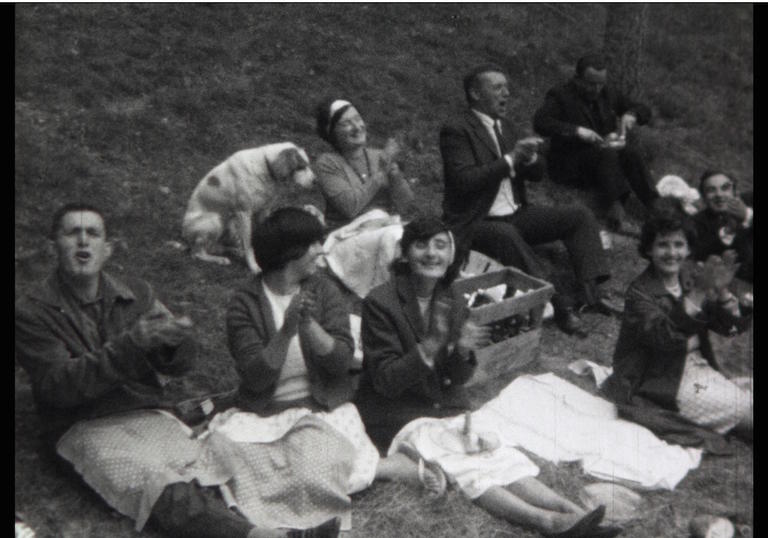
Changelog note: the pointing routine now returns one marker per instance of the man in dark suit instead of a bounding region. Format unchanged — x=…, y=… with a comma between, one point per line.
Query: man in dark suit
x=725, y=223
x=587, y=123
x=485, y=200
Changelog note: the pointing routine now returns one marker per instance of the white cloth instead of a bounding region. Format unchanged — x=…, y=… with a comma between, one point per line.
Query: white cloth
x=435, y=440
x=360, y=253
x=293, y=382
x=599, y=372
x=558, y=421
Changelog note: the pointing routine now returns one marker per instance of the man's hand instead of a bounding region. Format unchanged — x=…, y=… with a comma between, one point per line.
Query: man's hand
x=156, y=329
x=628, y=122
x=526, y=149
x=588, y=135
x=735, y=206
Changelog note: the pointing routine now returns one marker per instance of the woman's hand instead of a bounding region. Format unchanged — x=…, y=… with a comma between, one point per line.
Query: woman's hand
x=473, y=336
x=715, y=275
x=391, y=149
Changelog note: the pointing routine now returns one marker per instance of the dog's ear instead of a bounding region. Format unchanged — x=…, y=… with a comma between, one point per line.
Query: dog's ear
x=286, y=162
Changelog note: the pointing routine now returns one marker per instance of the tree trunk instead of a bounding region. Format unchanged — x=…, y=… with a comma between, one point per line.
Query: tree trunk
x=625, y=29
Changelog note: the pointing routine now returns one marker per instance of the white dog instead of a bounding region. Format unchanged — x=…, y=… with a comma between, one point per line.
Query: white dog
x=677, y=187
x=236, y=190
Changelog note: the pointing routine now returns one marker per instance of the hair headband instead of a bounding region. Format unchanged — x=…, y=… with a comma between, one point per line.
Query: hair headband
x=335, y=111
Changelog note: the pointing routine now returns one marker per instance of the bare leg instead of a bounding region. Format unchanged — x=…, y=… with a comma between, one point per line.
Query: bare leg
x=506, y=505
x=398, y=467
x=404, y=469
x=538, y=494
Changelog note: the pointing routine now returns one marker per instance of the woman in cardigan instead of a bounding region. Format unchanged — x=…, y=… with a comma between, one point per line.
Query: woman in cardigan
x=289, y=333
x=365, y=192
x=663, y=352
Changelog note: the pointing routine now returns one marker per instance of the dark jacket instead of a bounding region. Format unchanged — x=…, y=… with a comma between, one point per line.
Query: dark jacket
x=473, y=171
x=565, y=109
x=708, y=240
x=652, y=346
x=392, y=326
x=81, y=369
x=250, y=327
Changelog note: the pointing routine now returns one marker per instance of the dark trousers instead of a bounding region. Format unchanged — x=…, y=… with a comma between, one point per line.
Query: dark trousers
x=612, y=173
x=509, y=239
x=191, y=511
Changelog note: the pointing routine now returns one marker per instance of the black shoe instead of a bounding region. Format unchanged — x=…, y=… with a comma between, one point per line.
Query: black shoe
x=585, y=527
x=568, y=322
x=329, y=529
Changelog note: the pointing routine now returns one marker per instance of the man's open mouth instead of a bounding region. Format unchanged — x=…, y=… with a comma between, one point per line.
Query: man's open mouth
x=83, y=256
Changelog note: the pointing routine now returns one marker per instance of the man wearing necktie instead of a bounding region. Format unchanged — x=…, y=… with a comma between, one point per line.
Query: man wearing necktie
x=485, y=201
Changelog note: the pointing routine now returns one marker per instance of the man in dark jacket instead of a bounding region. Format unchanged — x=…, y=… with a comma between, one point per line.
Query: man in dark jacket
x=486, y=203
x=588, y=123
x=726, y=222
x=98, y=347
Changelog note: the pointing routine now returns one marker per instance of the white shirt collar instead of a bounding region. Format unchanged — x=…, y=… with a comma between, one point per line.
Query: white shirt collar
x=485, y=118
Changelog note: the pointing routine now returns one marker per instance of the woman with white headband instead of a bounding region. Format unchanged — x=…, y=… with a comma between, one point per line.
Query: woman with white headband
x=356, y=178
x=365, y=193
x=418, y=353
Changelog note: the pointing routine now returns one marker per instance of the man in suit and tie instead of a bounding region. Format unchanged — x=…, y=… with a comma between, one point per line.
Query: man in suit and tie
x=485, y=201
x=588, y=123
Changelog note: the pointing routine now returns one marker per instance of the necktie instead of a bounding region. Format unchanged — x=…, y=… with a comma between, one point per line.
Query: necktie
x=499, y=137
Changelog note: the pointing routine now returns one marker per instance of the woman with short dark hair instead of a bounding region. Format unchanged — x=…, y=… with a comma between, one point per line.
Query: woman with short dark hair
x=663, y=353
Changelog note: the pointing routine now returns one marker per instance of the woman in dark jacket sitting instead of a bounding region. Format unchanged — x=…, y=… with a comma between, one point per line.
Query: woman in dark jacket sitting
x=663, y=352
x=417, y=351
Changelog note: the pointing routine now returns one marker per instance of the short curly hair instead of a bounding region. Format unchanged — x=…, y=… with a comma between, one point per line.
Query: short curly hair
x=666, y=216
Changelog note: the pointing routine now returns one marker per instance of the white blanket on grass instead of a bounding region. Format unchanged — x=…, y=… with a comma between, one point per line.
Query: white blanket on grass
x=558, y=421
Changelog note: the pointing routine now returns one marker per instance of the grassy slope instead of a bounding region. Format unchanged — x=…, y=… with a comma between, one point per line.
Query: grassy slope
x=129, y=105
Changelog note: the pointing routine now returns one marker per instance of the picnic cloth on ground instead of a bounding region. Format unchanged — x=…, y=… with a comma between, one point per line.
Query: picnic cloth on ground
x=472, y=473
x=360, y=253
x=667, y=425
x=297, y=480
x=558, y=421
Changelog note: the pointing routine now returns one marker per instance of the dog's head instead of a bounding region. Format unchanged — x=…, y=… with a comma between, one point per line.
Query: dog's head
x=292, y=164
x=676, y=187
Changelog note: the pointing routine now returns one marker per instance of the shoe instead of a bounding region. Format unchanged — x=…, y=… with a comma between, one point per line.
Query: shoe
x=329, y=529
x=585, y=527
x=606, y=532
x=568, y=322
x=431, y=475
